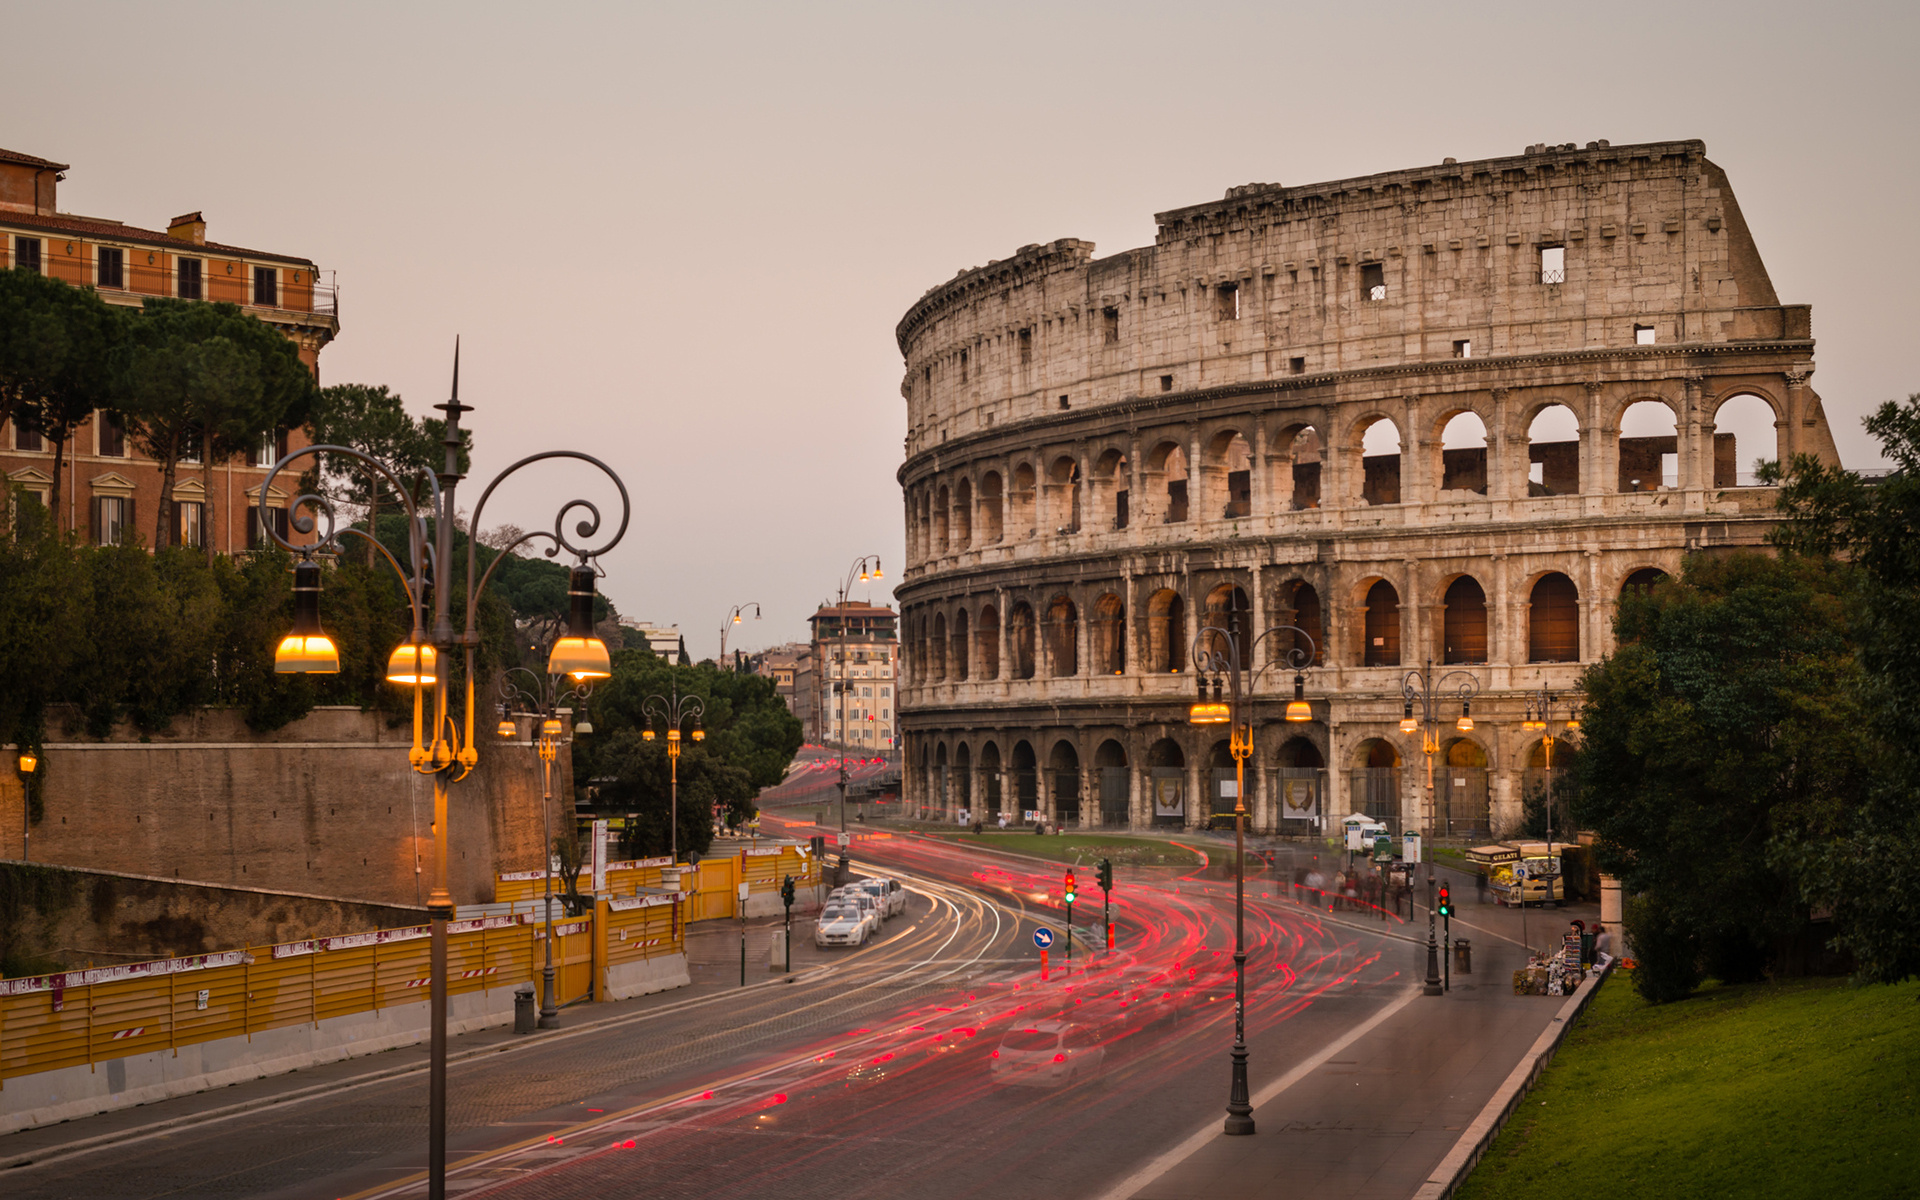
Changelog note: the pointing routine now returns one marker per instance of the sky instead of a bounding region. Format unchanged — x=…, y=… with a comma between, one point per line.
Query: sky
x=678, y=237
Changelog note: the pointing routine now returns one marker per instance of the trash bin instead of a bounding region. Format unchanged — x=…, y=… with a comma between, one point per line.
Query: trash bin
x=1463, y=956
x=526, y=1014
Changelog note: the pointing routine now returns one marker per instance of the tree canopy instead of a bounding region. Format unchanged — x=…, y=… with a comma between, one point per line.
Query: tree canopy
x=1746, y=758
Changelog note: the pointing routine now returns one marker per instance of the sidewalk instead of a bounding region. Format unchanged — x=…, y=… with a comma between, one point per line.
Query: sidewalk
x=1372, y=1114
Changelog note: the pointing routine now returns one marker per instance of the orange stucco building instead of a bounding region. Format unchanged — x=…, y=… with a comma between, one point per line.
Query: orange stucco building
x=106, y=485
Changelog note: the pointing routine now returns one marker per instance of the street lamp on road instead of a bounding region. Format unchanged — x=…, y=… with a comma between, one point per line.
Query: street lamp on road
x=1217, y=653
x=865, y=574
x=1539, y=717
x=29, y=762
x=733, y=618
x=674, y=711
x=443, y=743
x=541, y=696
x=1423, y=690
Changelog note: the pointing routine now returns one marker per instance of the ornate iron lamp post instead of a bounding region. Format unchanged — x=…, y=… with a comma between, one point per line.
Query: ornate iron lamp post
x=1422, y=689
x=841, y=685
x=673, y=711
x=1540, y=706
x=1216, y=653
x=29, y=763
x=444, y=746
x=733, y=618
x=541, y=695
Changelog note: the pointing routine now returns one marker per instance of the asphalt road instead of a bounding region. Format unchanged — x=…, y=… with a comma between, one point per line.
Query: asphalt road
x=868, y=1075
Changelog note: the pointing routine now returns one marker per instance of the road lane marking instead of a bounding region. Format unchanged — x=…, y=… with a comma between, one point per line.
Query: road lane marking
x=1211, y=1131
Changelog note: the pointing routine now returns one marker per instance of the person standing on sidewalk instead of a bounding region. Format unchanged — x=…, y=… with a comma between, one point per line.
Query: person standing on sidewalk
x=1316, y=884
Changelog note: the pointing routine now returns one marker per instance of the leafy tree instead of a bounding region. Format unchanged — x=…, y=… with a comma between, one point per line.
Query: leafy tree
x=373, y=421
x=56, y=344
x=750, y=739
x=1726, y=730
x=200, y=376
x=1866, y=869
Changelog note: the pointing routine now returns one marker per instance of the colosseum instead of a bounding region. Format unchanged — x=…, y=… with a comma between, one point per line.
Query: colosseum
x=1443, y=414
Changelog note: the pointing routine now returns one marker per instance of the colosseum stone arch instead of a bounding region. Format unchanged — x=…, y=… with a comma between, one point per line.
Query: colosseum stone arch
x=1268, y=399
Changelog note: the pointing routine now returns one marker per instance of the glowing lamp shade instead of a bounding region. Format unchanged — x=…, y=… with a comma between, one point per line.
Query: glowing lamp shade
x=1407, y=723
x=1465, y=723
x=507, y=728
x=1573, y=723
x=1298, y=709
x=413, y=664
x=550, y=727
x=646, y=735
x=27, y=764
x=699, y=735
x=307, y=649
x=1211, y=712
x=579, y=653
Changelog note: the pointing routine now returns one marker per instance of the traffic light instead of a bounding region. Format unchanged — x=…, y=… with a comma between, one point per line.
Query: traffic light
x=1446, y=901
x=1070, y=890
x=787, y=892
x=1104, y=873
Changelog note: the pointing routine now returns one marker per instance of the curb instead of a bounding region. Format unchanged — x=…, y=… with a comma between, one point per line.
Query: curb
x=1453, y=1170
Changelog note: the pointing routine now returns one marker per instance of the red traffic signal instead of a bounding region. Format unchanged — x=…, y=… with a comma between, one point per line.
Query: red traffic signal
x=1446, y=901
x=1070, y=889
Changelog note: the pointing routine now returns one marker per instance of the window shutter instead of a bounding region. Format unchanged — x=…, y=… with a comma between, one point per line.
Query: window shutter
x=93, y=509
x=126, y=517
x=253, y=526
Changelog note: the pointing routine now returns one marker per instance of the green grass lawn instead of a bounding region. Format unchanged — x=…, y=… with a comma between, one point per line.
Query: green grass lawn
x=1084, y=848
x=1804, y=1088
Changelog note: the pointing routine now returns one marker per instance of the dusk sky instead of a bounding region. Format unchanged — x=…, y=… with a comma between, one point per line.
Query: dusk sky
x=679, y=237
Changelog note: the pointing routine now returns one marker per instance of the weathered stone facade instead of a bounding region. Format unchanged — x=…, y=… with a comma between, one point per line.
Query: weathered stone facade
x=1102, y=452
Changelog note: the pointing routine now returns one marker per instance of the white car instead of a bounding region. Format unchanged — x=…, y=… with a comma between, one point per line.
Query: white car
x=841, y=925
x=892, y=897
x=1047, y=1054
x=869, y=907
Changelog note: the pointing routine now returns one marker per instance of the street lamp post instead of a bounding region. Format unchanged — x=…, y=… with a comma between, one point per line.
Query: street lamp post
x=673, y=711
x=29, y=762
x=541, y=696
x=1218, y=652
x=1539, y=717
x=841, y=685
x=444, y=747
x=1423, y=690
x=733, y=618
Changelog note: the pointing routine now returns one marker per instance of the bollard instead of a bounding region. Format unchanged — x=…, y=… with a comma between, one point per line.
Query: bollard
x=777, y=951
x=526, y=1015
x=1463, y=956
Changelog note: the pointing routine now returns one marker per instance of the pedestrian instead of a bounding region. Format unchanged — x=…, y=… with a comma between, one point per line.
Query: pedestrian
x=1003, y=822
x=1602, y=944
x=1316, y=884
x=1480, y=886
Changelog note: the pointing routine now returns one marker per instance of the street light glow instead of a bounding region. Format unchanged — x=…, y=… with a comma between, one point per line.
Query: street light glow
x=413, y=664
x=306, y=650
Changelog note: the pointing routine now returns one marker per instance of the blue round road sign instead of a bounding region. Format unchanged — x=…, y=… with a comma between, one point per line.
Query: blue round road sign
x=1043, y=937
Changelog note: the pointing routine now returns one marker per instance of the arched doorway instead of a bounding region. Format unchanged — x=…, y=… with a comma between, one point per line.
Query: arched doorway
x=1460, y=791
x=1064, y=766
x=1464, y=631
x=1641, y=582
x=939, y=790
x=990, y=781
x=1166, y=632
x=1109, y=635
x=957, y=650
x=1298, y=780
x=1220, y=784
x=1227, y=609
x=1553, y=620
x=989, y=642
x=1167, y=767
x=1374, y=782
x=1026, y=780
x=1381, y=647
x=1063, y=638
x=963, y=779
x=1115, y=793
x=1020, y=640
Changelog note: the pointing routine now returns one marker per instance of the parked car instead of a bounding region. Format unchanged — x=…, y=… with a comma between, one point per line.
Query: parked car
x=841, y=925
x=869, y=907
x=1047, y=1054
x=892, y=897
